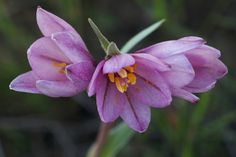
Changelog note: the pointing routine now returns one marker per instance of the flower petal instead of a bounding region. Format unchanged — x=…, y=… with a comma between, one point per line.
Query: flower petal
x=43, y=54
x=25, y=83
x=208, y=68
x=172, y=47
x=72, y=46
x=49, y=23
x=56, y=88
x=202, y=56
x=181, y=93
x=181, y=72
x=204, y=48
x=136, y=114
x=206, y=77
x=151, y=62
x=200, y=86
x=80, y=74
x=115, y=63
x=94, y=83
x=110, y=101
x=191, y=38
x=150, y=88
x=150, y=94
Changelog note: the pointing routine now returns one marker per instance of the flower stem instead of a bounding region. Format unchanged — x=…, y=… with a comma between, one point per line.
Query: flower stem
x=96, y=149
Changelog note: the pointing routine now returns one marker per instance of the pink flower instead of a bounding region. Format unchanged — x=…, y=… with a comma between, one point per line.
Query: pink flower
x=60, y=61
x=127, y=86
x=195, y=67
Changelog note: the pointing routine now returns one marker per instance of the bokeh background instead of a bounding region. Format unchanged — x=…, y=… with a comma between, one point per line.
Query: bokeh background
x=39, y=126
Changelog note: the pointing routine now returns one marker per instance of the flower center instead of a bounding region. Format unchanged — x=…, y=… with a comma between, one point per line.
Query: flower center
x=123, y=78
x=61, y=66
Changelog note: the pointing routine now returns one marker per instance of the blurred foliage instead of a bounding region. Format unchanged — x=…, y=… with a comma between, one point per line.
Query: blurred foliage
x=38, y=126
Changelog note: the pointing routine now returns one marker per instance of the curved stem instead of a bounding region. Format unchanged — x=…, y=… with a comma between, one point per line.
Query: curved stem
x=96, y=149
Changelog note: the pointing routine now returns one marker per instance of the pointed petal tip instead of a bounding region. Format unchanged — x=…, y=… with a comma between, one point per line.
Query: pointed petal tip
x=141, y=130
x=90, y=93
x=14, y=87
x=106, y=118
x=195, y=101
x=90, y=90
x=11, y=85
x=220, y=69
x=50, y=23
x=185, y=94
x=39, y=10
x=139, y=127
x=24, y=83
x=223, y=71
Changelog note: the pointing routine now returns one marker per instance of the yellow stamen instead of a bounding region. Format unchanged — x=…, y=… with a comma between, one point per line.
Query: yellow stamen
x=131, y=78
x=111, y=77
x=118, y=85
x=130, y=69
x=61, y=66
x=122, y=73
x=123, y=78
x=63, y=71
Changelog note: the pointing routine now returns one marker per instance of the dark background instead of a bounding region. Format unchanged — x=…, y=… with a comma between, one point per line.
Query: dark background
x=39, y=126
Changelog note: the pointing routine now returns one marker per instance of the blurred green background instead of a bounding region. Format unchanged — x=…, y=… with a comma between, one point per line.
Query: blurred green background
x=39, y=126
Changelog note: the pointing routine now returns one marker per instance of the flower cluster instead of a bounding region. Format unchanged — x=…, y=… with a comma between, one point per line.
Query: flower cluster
x=126, y=85
x=60, y=61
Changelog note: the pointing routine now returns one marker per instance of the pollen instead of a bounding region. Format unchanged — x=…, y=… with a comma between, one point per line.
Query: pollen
x=61, y=66
x=123, y=78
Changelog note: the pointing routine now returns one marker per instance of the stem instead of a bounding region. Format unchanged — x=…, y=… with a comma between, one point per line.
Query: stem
x=97, y=147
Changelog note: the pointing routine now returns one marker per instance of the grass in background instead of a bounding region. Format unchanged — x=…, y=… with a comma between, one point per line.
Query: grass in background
x=182, y=130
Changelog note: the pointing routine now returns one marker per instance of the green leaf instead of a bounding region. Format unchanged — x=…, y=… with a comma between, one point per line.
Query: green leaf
x=140, y=36
x=218, y=125
x=200, y=110
x=194, y=125
x=117, y=139
x=102, y=39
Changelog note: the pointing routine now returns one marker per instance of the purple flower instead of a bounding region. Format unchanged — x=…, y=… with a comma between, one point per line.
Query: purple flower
x=60, y=61
x=127, y=86
x=195, y=67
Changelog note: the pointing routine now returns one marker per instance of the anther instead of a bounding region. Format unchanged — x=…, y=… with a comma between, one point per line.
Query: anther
x=122, y=73
x=111, y=77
